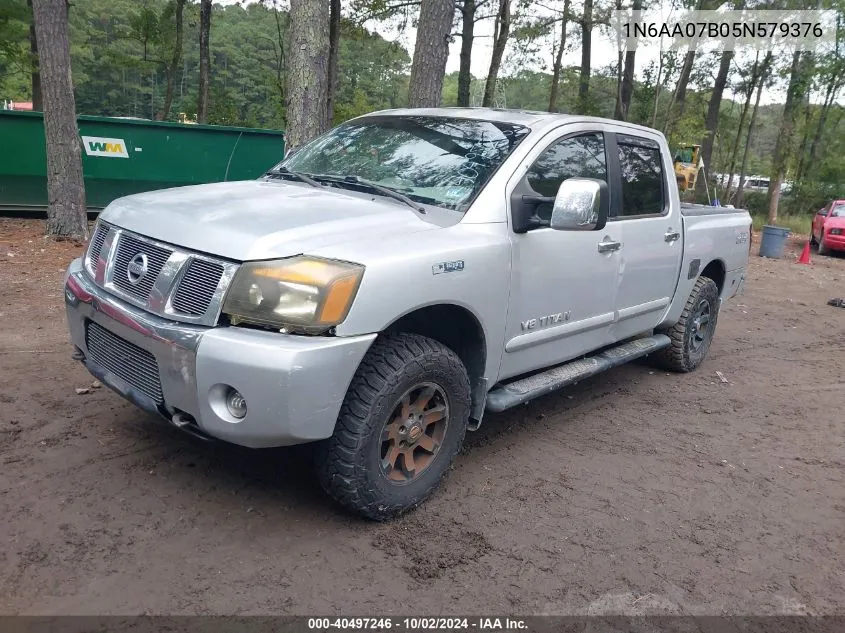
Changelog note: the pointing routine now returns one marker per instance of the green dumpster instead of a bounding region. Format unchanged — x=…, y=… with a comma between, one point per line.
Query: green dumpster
x=125, y=156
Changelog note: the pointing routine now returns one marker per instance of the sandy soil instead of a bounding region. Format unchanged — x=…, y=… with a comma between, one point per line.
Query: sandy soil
x=634, y=492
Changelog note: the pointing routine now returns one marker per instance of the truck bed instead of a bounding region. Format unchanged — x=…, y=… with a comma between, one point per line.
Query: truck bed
x=711, y=234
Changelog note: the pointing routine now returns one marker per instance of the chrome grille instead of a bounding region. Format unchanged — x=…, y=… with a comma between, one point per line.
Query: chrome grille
x=189, y=286
x=127, y=361
x=96, y=246
x=127, y=248
x=197, y=287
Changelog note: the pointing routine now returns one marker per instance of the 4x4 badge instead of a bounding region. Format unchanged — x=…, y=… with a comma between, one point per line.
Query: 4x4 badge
x=447, y=267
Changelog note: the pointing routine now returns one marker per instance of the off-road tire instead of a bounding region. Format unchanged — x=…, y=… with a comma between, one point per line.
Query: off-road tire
x=348, y=463
x=682, y=355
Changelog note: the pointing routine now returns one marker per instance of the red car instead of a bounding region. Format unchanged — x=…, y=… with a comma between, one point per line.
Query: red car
x=828, y=230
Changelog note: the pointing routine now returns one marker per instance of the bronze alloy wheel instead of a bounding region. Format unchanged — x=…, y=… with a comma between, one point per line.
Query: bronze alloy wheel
x=413, y=433
x=401, y=425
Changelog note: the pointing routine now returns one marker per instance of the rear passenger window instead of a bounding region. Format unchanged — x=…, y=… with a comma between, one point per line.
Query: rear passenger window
x=642, y=177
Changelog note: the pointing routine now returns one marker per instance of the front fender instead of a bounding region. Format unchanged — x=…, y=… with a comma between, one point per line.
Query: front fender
x=463, y=265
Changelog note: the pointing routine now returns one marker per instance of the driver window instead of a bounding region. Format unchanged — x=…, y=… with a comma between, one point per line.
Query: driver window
x=580, y=156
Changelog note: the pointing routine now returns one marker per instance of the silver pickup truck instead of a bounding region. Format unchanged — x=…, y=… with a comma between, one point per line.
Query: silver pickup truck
x=385, y=285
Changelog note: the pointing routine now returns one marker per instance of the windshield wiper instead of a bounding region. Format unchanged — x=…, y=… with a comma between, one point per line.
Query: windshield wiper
x=387, y=191
x=287, y=172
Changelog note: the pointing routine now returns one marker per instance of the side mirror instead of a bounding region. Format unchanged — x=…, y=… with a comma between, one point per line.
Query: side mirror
x=581, y=204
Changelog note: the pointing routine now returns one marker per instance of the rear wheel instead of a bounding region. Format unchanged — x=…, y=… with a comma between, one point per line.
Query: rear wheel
x=692, y=334
x=401, y=425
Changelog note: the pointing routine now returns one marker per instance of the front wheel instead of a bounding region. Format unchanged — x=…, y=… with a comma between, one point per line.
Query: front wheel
x=401, y=425
x=692, y=334
x=822, y=247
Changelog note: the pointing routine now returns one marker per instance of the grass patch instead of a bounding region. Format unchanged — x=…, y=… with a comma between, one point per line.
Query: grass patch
x=798, y=224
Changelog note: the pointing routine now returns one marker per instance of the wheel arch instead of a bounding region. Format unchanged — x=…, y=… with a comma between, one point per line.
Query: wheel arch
x=716, y=271
x=459, y=329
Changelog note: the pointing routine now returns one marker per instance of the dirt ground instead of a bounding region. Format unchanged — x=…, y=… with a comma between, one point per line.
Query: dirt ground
x=634, y=492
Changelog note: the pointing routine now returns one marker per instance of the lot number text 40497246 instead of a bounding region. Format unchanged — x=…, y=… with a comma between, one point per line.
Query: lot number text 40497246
x=418, y=624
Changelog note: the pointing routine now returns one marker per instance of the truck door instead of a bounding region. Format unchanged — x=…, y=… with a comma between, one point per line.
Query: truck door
x=563, y=284
x=647, y=219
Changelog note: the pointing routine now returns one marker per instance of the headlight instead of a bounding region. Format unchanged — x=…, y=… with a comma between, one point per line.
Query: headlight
x=303, y=292
x=836, y=231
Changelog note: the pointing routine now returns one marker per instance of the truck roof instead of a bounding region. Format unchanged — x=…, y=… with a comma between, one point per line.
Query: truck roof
x=528, y=118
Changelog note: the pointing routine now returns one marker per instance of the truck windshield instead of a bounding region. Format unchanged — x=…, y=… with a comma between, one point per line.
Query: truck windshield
x=432, y=160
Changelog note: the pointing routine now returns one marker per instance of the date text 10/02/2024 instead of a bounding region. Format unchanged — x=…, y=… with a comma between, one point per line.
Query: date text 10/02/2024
x=418, y=624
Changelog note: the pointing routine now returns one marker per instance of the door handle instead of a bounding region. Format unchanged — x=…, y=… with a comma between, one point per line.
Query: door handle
x=607, y=246
x=672, y=236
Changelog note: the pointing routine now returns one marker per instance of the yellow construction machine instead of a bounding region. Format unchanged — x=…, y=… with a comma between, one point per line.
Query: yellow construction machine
x=687, y=163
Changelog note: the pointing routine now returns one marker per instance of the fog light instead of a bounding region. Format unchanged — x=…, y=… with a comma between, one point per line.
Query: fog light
x=235, y=403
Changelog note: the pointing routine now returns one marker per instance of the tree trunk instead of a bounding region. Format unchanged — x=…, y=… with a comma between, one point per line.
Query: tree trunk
x=586, y=52
x=37, y=101
x=205, y=61
x=658, y=87
x=468, y=9
x=830, y=97
x=334, y=54
x=679, y=97
x=735, y=147
x=626, y=90
x=281, y=68
x=683, y=82
x=553, y=95
x=802, y=146
x=799, y=75
x=711, y=121
x=755, y=73
x=431, y=51
x=65, y=188
x=764, y=73
x=620, y=62
x=503, y=22
x=173, y=67
x=308, y=72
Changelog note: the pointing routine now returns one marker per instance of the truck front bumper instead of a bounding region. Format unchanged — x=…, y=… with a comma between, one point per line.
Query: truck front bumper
x=293, y=385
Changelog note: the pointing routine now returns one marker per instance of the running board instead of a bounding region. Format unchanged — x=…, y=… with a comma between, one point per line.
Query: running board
x=525, y=389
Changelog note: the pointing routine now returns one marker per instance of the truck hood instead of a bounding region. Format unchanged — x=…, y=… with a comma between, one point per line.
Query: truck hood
x=260, y=219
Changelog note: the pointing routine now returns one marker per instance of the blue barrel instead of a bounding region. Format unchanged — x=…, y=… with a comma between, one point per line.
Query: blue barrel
x=773, y=241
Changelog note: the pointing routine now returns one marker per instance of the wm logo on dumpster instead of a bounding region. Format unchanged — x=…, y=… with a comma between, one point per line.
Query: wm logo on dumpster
x=101, y=146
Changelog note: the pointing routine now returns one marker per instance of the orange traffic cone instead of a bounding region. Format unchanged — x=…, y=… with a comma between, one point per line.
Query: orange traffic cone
x=805, y=255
